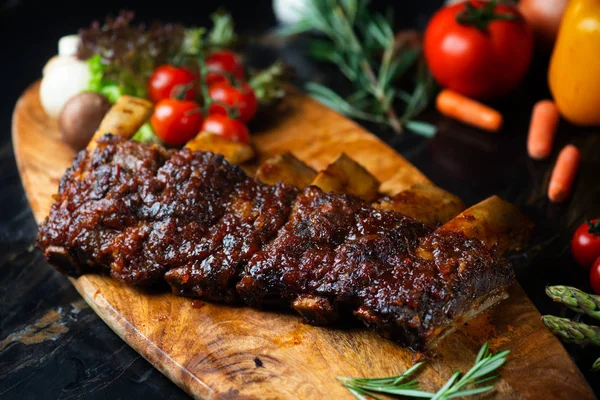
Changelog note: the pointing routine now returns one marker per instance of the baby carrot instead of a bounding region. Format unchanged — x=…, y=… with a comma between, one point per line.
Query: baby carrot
x=468, y=111
x=563, y=174
x=542, y=129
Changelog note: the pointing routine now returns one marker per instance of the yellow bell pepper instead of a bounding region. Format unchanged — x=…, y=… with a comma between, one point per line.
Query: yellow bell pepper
x=574, y=74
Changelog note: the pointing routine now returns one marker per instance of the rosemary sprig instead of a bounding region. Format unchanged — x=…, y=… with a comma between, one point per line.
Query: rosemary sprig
x=397, y=385
x=481, y=372
x=459, y=385
x=362, y=45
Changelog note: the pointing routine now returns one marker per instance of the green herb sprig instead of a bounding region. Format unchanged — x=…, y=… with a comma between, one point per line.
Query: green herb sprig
x=222, y=34
x=268, y=84
x=459, y=385
x=362, y=44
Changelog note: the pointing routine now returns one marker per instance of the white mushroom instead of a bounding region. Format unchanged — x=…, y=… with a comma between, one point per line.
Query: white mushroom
x=63, y=79
x=67, y=45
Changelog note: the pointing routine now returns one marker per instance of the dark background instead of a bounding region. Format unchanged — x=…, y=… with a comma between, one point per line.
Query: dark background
x=82, y=358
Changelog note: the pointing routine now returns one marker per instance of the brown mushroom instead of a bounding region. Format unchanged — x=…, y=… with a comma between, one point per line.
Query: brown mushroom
x=80, y=117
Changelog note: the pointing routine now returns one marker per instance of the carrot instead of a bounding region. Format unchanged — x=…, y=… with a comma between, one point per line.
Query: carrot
x=542, y=129
x=563, y=174
x=468, y=111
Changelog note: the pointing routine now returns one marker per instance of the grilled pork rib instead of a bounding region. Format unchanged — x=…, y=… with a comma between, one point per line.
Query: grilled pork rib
x=337, y=254
x=147, y=215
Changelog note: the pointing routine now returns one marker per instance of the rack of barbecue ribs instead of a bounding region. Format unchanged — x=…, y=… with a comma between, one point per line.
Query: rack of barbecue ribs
x=325, y=244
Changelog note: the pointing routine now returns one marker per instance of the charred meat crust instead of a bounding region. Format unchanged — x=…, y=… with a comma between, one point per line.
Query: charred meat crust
x=253, y=217
x=144, y=215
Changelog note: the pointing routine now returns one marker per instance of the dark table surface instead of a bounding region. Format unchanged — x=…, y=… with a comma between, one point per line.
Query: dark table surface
x=52, y=345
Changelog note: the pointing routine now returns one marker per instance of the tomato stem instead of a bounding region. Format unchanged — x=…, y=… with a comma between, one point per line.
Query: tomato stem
x=233, y=112
x=229, y=77
x=594, y=227
x=481, y=17
x=181, y=90
x=206, y=100
x=193, y=111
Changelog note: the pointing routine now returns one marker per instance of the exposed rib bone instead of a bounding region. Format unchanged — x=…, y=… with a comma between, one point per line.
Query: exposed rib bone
x=345, y=175
x=495, y=222
x=423, y=202
x=286, y=168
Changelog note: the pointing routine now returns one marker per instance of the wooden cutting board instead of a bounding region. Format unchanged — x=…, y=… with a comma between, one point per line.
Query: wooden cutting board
x=214, y=351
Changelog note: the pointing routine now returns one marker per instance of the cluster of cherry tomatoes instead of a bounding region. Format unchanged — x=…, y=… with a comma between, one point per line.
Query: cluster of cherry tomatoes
x=585, y=246
x=178, y=116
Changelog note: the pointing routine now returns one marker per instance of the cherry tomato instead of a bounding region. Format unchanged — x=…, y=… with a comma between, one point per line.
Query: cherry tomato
x=241, y=99
x=176, y=121
x=473, y=55
x=228, y=127
x=585, y=244
x=595, y=276
x=166, y=80
x=222, y=65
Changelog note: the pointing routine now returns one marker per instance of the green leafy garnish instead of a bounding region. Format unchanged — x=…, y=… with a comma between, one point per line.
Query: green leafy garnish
x=193, y=41
x=459, y=385
x=268, y=83
x=146, y=134
x=98, y=82
x=222, y=34
x=122, y=56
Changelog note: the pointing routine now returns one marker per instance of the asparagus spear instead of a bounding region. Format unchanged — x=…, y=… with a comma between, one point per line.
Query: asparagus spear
x=596, y=366
x=571, y=331
x=576, y=300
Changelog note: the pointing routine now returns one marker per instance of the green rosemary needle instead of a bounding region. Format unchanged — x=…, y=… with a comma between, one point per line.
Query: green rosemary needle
x=362, y=44
x=459, y=385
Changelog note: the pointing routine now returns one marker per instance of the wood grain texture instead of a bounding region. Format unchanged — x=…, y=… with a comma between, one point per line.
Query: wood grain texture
x=215, y=351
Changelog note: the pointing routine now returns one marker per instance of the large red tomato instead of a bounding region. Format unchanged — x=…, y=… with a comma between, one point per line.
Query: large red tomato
x=478, y=48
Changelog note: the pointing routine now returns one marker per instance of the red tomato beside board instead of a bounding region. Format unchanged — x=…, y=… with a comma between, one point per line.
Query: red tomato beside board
x=176, y=121
x=479, y=49
x=585, y=244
